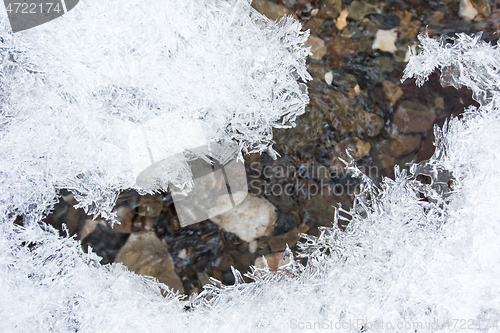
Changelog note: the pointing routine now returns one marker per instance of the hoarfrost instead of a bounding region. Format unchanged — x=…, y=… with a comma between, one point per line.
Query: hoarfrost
x=74, y=89
x=413, y=254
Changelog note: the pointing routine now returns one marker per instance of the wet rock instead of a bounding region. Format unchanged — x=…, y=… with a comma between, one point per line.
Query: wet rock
x=413, y=117
x=145, y=254
x=401, y=145
x=392, y=92
x=319, y=210
x=104, y=241
x=253, y=218
x=270, y=9
x=317, y=70
x=350, y=150
x=280, y=242
x=329, y=78
x=274, y=261
x=385, y=40
x=339, y=50
x=124, y=215
x=359, y=9
x=318, y=47
x=467, y=10
x=150, y=206
x=408, y=29
x=330, y=9
x=341, y=20
x=378, y=68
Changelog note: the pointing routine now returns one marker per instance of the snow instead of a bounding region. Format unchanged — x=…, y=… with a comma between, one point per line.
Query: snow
x=403, y=261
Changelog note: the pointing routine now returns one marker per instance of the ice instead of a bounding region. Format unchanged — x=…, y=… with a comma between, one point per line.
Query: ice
x=75, y=91
x=410, y=263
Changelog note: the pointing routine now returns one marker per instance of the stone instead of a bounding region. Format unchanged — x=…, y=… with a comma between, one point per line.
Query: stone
x=356, y=148
x=124, y=215
x=329, y=78
x=317, y=70
x=341, y=20
x=318, y=47
x=145, y=254
x=408, y=28
x=270, y=9
x=105, y=242
x=401, y=145
x=150, y=206
x=385, y=40
x=413, y=117
x=280, y=242
x=339, y=49
x=330, y=9
x=467, y=10
x=274, y=261
x=378, y=68
x=359, y=9
x=253, y=218
x=392, y=92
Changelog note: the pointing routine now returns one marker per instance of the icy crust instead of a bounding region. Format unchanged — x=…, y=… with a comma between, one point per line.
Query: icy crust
x=72, y=90
x=413, y=254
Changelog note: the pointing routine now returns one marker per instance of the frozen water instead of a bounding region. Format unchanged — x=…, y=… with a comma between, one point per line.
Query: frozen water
x=75, y=91
x=403, y=262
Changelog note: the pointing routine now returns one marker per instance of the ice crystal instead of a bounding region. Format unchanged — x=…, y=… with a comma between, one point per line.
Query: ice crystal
x=73, y=90
x=415, y=257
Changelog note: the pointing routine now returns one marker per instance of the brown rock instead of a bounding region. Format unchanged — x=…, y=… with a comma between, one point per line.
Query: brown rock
x=330, y=9
x=270, y=9
x=124, y=215
x=280, y=242
x=150, y=206
x=412, y=117
x=359, y=9
x=145, y=254
x=356, y=148
x=401, y=145
x=274, y=261
x=318, y=47
x=339, y=49
x=386, y=161
x=392, y=92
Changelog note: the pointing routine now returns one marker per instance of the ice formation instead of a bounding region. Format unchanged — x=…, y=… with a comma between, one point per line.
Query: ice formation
x=74, y=89
x=415, y=257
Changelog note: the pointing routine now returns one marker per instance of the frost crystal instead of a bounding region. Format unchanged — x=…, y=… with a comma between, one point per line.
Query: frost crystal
x=75, y=89
x=415, y=257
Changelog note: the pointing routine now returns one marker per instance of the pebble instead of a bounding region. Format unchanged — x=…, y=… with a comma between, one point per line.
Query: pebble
x=280, y=242
x=340, y=49
x=329, y=78
x=253, y=218
x=359, y=9
x=318, y=47
x=385, y=40
x=392, y=92
x=413, y=117
x=145, y=254
x=467, y=10
x=355, y=147
x=341, y=20
x=270, y=9
x=401, y=145
x=274, y=261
